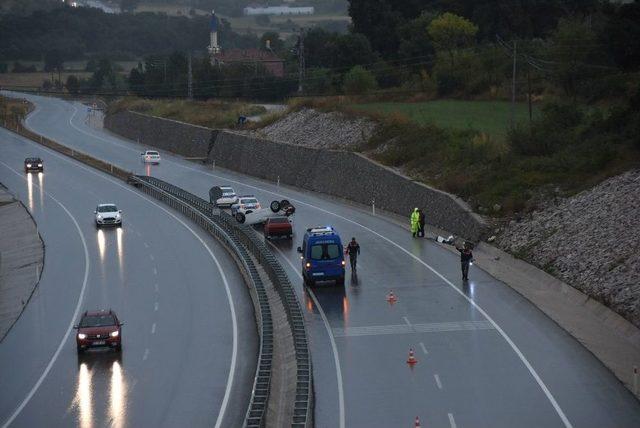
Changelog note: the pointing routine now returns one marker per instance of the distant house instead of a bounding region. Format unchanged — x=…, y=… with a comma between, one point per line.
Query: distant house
x=278, y=10
x=271, y=62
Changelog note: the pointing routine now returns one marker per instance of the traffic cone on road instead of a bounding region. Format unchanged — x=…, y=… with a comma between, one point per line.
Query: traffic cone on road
x=412, y=358
x=417, y=423
x=391, y=298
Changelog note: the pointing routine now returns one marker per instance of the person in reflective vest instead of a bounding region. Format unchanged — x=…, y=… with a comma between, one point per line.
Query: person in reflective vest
x=415, y=222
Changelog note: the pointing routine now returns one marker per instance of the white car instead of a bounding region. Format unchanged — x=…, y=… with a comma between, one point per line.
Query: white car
x=245, y=205
x=108, y=215
x=223, y=196
x=150, y=156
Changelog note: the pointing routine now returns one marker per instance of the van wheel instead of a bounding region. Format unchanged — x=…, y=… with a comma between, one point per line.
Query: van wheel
x=284, y=203
x=275, y=206
x=240, y=217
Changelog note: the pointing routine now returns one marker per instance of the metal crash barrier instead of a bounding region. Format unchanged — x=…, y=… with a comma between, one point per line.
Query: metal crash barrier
x=240, y=238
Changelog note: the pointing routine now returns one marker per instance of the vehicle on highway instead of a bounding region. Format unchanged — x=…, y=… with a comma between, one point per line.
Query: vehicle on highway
x=261, y=215
x=278, y=226
x=33, y=164
x=322, y=256
x=108, y=215
x=245, y=205
x=99, y=329
x=151, y=156
x=222, y=196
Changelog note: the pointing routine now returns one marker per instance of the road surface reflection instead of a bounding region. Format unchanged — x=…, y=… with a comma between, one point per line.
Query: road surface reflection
x=99, y=374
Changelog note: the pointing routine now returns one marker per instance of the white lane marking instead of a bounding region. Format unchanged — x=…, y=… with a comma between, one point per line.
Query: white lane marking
x=424, y=348
x=452, y=421
x=151, y=257
x=504, y=335
x=53, y=359
x=334, y=347
x=438, y=382
x=156, y=288
x=146, y=354
x=155, y=271
x=406, y=320
x=146, y=245
x=153, y=328
x=234, y=320
x=155, y=306
x=435, y=327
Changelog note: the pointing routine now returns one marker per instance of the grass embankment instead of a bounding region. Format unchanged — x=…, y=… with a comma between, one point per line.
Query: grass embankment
x=12, y=111
x=212, y=114
x=489, y=117
x=472, y=153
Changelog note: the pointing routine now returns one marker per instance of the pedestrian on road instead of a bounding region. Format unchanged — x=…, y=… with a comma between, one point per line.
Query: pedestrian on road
x=466, y=258
x=421, y=222
x=415, y=221
x=353, y=250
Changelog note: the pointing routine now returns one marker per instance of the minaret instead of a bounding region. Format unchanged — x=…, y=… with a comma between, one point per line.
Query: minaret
x=213, y=27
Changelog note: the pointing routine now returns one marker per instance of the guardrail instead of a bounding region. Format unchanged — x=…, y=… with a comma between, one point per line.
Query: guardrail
x=239, y=238
x=257, y=410
x=303, y=406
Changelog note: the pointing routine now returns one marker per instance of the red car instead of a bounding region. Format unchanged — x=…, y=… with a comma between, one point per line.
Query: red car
x=99, y=329
x=278, y=226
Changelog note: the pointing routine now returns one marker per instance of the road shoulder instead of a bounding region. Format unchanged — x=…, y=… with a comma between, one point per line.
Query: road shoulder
x=21, y=259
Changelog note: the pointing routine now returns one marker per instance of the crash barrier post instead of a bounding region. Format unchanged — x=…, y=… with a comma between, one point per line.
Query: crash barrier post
x=303, y=406
x=257, y=410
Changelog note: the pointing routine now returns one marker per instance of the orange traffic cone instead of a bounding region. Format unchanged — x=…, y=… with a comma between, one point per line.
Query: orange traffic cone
x=417, y=423
x=412, y=359
x=391, y=298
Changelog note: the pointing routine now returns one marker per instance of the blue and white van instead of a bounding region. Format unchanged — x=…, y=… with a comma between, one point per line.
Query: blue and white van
x=322, y=256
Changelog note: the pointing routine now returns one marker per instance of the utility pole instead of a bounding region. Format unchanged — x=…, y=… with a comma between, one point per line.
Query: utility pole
x=513, y=86
x=301, y=64
x=190, y=79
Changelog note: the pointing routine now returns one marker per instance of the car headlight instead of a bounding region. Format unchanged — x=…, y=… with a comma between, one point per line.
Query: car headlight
x=344, y=263
x=28, y=165
x=82, y=336
x=115, y=333
x=307, y=265
x=99, y=217
x=118, y=216
x=39, y=164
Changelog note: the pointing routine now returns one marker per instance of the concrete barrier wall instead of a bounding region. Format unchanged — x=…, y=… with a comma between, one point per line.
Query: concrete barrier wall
x=177, y=137
x=343, y=174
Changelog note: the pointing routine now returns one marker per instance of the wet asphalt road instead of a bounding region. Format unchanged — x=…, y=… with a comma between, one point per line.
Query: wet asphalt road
x=162, y=281
x=486, y=356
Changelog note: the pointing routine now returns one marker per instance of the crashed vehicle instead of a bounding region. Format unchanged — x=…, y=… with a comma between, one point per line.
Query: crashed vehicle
x=260, y=215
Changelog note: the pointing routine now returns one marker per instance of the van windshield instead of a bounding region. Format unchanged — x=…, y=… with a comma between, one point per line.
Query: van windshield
x=325, y=251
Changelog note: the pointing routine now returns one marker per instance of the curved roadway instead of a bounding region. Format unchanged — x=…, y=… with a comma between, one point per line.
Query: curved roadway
x=189, y=340
x=486, y=356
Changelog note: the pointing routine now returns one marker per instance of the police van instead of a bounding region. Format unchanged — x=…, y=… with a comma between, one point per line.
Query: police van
x=322, y=256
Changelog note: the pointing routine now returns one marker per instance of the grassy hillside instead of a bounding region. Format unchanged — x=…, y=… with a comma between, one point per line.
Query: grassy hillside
x=490, y=117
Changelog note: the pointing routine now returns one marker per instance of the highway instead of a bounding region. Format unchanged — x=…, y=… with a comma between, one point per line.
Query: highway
x=486, y=356
x=189, y=339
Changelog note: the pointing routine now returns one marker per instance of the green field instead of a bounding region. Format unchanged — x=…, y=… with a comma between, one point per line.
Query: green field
x=491, y=117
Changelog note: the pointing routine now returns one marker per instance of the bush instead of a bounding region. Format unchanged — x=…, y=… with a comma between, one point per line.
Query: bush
x=359, y=81
x=20, y=68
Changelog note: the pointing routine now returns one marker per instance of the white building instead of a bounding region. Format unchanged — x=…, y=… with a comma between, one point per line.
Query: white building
x=278, y=10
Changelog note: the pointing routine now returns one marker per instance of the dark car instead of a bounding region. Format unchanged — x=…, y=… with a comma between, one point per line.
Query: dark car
x=278, y=226
x=33, y=164
x=99, y=329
